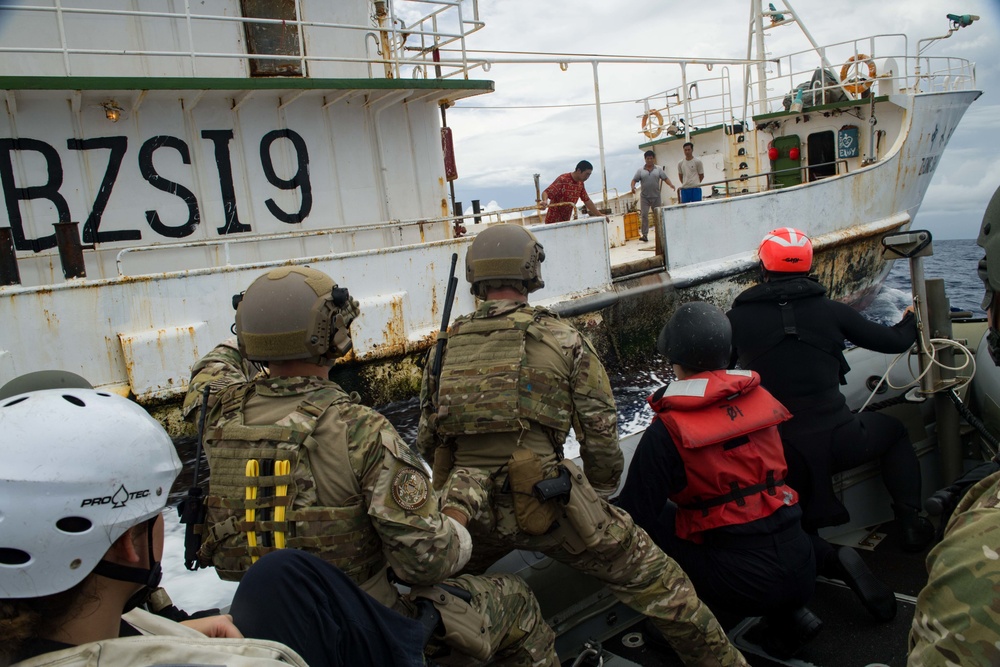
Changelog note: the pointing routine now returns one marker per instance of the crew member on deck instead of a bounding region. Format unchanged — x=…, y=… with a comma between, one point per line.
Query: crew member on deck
x=790, y=332
x=707, y=482
x=561, y=196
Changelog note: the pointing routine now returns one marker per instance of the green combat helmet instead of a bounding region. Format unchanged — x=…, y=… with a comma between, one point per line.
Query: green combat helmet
x=989, y=267
x=505, y=256
x=295, y=312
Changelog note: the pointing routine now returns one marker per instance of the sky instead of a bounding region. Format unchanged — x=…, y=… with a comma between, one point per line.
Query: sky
x=499, y=148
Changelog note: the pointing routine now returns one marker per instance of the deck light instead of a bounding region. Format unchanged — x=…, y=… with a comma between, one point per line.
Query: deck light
x=112, y=111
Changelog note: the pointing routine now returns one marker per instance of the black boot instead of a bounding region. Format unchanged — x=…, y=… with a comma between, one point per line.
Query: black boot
x=917, y=530
x=783, y=635
x=877, y=598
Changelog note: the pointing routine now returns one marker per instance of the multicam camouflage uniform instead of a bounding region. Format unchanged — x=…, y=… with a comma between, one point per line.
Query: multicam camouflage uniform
x=517, y=377
x=957, y=619
x=358, y=496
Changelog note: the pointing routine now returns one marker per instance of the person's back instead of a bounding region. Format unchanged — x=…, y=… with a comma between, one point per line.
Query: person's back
x=297, y=463
x=787, y=330
x=804, y=369
x=340, y=452
x=514, y=379
x=707, y=481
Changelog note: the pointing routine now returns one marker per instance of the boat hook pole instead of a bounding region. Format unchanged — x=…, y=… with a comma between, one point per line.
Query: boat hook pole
x=933, y=321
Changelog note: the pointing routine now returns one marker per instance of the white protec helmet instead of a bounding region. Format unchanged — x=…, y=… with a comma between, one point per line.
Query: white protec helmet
x=78, y=467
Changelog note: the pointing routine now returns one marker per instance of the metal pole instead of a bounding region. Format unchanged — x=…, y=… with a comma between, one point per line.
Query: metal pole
x=475, y=210
x=600, y=134
x=761, y=66
x=946, y=416
x=70, y=249
x=746, y=66
x=820, y=52
x=538, y=196
x=9, y=274
x=687, y=104
x=927, y=380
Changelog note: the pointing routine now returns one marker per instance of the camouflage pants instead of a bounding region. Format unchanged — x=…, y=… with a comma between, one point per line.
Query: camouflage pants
x=504, y=619
x=625, y=559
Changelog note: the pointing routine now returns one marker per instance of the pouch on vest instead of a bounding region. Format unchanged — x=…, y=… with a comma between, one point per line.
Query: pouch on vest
x=524, y=470
x=444, y=461
x=465, y=629
x=584, y=509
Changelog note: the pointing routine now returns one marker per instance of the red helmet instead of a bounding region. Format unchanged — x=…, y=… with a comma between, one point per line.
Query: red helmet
x=786, y=250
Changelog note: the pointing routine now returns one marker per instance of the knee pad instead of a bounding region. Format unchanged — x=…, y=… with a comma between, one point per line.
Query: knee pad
x=465, y=629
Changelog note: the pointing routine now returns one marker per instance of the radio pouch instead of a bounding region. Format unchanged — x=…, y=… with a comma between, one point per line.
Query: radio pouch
x=584, y=509
x=524, y=470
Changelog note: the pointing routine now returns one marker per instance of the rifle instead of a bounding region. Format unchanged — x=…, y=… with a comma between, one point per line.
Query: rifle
x=444, y=456
x=442, y=338
x=192, y=506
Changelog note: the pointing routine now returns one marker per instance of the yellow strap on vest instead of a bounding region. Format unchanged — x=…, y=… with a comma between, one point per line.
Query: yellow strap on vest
x=280, y=491
x=253, y=470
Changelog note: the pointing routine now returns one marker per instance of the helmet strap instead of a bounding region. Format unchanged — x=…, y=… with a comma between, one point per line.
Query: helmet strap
x=148, y=577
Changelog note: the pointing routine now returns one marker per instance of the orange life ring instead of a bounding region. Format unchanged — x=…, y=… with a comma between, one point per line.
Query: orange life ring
x=857, y=86
x=652, y=129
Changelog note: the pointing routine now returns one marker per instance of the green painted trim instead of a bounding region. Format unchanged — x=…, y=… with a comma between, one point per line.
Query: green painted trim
x=680, y=137
x=843, y=104
x=207, y=83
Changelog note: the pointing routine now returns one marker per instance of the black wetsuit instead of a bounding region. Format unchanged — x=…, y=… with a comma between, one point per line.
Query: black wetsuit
x=797, y=350
x=761, y=568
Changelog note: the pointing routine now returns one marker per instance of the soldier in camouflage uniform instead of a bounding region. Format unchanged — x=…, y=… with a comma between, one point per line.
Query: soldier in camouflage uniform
x=957, y=621
x=298, y=463
x=514, y=380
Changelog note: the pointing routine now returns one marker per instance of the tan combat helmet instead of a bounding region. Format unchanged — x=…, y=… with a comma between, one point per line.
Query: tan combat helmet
x=505, y=256
x=295, y=312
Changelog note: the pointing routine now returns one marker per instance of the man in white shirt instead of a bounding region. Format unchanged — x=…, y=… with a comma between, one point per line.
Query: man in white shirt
x=691, y=173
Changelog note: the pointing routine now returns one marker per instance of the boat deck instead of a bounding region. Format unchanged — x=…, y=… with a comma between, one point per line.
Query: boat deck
x=850, y=636
x=635, y=256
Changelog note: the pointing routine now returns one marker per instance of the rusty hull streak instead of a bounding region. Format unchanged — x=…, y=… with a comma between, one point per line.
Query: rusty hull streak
x=394, y=331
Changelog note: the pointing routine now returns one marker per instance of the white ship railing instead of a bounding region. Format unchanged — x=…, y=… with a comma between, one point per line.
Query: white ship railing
x=390, y=38
x=708, y=101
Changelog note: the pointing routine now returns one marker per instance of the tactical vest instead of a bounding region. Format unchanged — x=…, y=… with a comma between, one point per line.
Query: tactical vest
x=487, y=385
x=343, y=536
x=732, y=454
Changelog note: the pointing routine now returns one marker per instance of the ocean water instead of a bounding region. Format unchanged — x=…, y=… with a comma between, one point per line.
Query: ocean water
x=955, y=261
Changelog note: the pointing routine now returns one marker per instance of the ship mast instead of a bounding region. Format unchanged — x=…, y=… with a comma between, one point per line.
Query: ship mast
x=755, y=41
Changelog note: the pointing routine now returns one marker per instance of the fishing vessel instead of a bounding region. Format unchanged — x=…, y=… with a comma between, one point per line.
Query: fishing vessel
x=154, y=161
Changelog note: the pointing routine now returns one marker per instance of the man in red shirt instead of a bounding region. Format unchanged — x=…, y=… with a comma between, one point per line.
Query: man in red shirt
x=561, y=196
